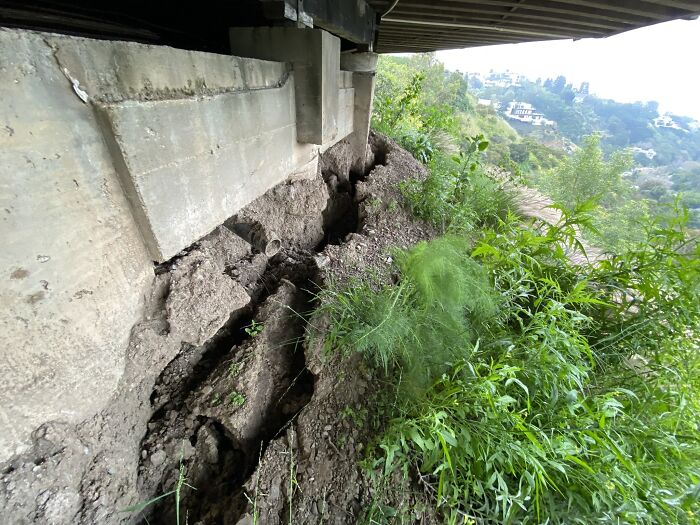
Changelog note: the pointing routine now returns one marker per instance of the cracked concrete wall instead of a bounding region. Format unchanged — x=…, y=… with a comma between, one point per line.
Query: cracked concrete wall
x=113, y=155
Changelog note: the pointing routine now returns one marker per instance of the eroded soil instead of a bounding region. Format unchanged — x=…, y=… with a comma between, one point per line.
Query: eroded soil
x=228, y=380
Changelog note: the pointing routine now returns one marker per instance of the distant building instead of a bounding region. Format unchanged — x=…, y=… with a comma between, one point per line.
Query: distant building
x=503, y=80
x=648, y=153
x=666, y=121
x=524, y=112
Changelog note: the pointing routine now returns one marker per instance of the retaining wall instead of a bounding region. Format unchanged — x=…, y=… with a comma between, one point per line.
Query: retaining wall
x=113, y=156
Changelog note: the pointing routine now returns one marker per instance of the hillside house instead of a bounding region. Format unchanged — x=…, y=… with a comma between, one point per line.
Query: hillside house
x=666, y=121
x=524, y=112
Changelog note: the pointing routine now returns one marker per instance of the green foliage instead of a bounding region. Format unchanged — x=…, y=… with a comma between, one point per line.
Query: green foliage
x=457, y=195
x=417, y=103
x=583, y=407
x=236, y=399
x=413, y=330
x=586, y=175
x=254, y=328
x=621, y=124
x=542, y=391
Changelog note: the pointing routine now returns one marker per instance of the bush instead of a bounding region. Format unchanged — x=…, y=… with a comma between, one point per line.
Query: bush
x=457, y=195
x=415, y=329
x=556, y=393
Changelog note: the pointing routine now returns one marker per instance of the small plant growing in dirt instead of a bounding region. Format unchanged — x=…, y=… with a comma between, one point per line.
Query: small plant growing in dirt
x=176, y=491
x=357, y=416
x=374, y=204
x=236, y=399
x=234, y=369
x=254, y=328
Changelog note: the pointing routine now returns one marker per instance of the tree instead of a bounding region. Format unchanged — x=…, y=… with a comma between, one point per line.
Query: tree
x=587, y=175
x=559, y=84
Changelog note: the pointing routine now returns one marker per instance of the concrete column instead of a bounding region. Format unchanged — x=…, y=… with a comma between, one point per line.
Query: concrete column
x=315, y=58
x=363, y=66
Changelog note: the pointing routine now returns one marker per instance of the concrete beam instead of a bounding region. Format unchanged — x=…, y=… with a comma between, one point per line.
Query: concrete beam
x=353, y=20
x=73, y=267
x=359, y=62
x=315, y=57
x=363, y=66
x=198, y=161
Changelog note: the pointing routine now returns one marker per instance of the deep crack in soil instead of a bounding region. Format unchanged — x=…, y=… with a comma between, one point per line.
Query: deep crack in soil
x=217, y=457
x=219, y=374
x=219, y=462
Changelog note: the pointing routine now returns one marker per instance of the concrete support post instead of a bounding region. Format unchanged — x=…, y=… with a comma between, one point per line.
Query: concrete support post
x=315, y=58
x=363, y=66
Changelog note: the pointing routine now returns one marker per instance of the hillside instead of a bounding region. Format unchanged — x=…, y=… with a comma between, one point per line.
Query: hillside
x=533, y=126
x=657, y=140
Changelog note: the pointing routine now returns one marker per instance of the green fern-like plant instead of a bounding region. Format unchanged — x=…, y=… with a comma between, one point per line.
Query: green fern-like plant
x=416, y=328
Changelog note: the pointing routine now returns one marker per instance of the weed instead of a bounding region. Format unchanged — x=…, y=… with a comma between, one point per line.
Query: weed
x=236, y=366
x=535, y=414
x=254, y=328
x=419, y=326
x=236, y=399
x=234, y=369
x=254, y=502
x=356, y=416
x=457, y=196
x=374, y=204
x=176, y=491
x=216, y=399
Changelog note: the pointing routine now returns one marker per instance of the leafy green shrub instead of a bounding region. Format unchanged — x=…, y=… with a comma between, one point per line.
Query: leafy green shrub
x=559, y=393
x=583, y=407
x=457, y=195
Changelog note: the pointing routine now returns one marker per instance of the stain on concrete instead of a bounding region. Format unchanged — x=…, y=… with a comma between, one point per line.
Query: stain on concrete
x=19, y=273
x=36, y=297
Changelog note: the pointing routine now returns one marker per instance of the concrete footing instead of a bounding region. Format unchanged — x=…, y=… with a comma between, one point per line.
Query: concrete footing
x=114, y=155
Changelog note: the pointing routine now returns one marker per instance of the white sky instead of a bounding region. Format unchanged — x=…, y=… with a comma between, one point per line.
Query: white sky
x=660, y=62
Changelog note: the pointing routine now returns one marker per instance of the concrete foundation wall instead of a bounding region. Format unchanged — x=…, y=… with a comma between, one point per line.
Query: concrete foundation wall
x=114, y=155
x=73, y=265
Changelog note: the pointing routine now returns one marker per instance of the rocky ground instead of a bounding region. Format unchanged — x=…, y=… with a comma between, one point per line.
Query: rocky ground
x=228, y=383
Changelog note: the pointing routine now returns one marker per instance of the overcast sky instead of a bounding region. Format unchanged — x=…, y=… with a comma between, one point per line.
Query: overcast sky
x=660, y=62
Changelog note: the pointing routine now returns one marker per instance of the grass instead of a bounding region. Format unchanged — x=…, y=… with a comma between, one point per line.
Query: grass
x=292, y=486
x=458, y=196
x=415, y=329
x=176, y=492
